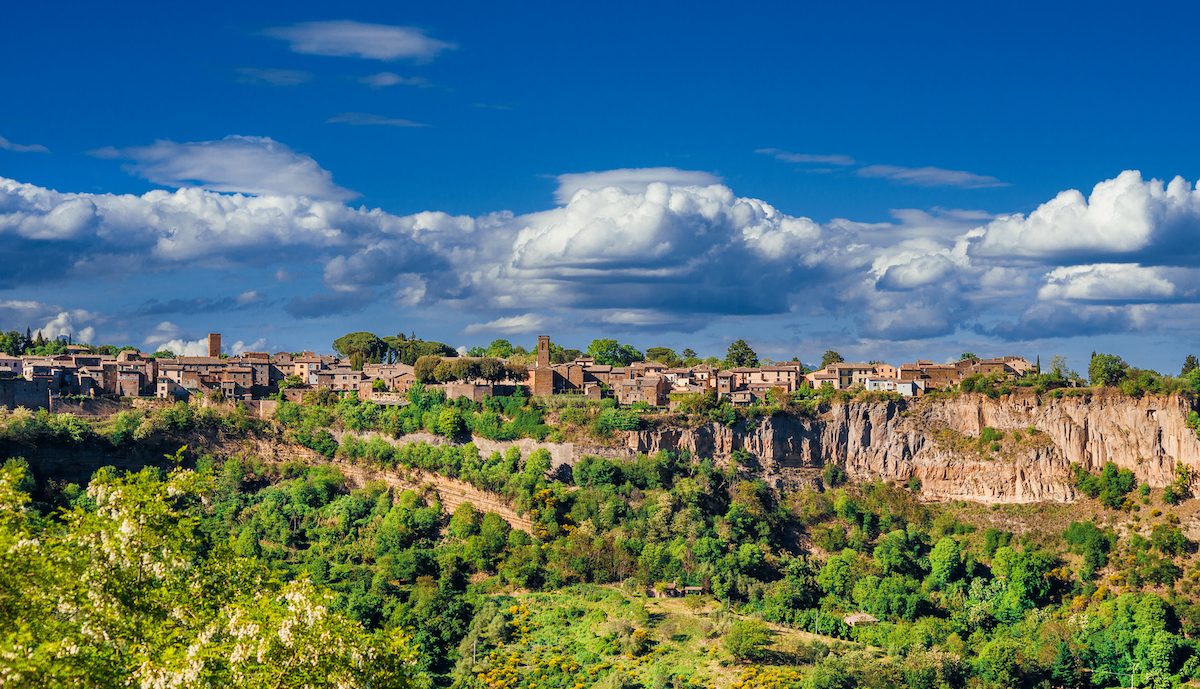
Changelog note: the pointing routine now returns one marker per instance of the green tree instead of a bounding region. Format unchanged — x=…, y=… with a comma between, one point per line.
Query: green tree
x=491, y=370
x=945, y=560
x=499, y=349
x=740, y=355
x=564, y=356
x=1002, y=659
x=837, y=576
x=746, y=639
x=406, y=350
x=516, y=372
x=1169, y=540
x=161, y=604
x=968, y=355
x=830, y=357
x=897, y=552
x=444, y=371
x=608, y=352
x=1064, y=671
x=1106, y=370
x=661, y=354
x=465, y=522
x=366, y=345
x=424, y=367
x=1190, y=364
x=450, y=423
x=465, y=369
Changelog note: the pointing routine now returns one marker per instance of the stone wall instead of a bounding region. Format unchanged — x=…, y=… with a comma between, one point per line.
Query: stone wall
x=18, y=392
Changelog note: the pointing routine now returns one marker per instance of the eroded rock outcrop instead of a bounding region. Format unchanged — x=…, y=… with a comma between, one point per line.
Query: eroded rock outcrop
x=936, y=440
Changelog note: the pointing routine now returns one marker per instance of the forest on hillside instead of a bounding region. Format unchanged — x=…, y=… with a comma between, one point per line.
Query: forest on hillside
x=151, y=574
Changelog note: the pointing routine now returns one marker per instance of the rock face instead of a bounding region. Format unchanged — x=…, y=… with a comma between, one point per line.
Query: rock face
x=936, y=440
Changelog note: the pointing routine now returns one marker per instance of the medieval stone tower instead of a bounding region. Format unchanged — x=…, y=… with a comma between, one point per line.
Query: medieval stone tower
x=543, y=375
x=214, y=345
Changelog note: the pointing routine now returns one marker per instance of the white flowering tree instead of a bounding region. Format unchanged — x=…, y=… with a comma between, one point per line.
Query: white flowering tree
x=133, y=594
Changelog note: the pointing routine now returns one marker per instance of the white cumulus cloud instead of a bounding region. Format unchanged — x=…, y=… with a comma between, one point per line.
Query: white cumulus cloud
x=637, y=249
x=631, y=180
x=238, y=348
x=1126, y=282
x=68, y=323
x=248, y=164
x=1122, y=215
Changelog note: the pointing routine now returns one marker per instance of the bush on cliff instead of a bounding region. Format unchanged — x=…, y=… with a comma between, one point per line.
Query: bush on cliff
x=1110, y=486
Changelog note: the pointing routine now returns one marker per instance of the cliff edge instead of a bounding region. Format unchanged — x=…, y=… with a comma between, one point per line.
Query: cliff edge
x=1025, y=457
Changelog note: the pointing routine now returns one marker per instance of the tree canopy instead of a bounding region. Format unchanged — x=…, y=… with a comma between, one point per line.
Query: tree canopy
x=1106, y=369
x=660, y=354
x=830, y=357
x=398, y=349
x=132, y=592
x=608, y=352
x=740, y=355
x=1190, y=364
x=368, y=346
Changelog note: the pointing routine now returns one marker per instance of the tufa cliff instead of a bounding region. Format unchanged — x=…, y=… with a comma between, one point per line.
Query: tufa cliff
x=936, y=439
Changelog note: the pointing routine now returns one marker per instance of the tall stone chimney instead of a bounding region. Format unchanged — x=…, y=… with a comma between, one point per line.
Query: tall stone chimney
x=543, y=360
x=214, y=345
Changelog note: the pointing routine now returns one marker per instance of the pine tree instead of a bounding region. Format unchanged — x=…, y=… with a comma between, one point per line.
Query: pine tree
x=1064, y=672
x=1190, y=364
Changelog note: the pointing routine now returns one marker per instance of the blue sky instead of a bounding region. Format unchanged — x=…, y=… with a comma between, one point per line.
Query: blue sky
x=803, y=176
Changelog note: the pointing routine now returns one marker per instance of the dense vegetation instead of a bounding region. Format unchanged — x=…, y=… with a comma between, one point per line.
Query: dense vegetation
x=134, y=582
x=959, y=603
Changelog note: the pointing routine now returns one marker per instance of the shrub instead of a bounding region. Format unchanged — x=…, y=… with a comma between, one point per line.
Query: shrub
x=619, y=420
x=450, y=423
x=831, y=538
x=746, y=639
x=1168, y=540
x=833, y=475
x=1084, y=538
x=1110, y=487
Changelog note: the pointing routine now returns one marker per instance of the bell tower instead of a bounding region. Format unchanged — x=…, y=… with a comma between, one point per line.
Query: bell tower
x=543, y=376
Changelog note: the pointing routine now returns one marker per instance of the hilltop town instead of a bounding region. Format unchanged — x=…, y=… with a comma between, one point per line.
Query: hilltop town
x=33, y=381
